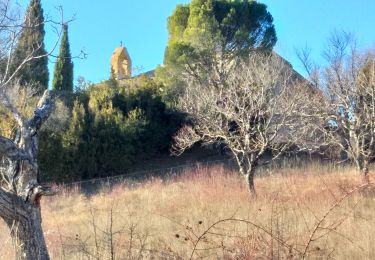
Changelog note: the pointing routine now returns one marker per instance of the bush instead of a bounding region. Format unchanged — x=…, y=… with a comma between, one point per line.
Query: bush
x=110, y=128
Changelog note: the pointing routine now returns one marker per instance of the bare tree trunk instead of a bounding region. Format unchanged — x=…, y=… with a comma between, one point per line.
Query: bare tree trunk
x=21, y=192
x=250, y=182
x=28, y=238
x=249, y=172
x=362, y=167
x=365, y=171
x=247, y=169
x=24, y=221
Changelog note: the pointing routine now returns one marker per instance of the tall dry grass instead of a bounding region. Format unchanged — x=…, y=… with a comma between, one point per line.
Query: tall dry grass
x=313, y=212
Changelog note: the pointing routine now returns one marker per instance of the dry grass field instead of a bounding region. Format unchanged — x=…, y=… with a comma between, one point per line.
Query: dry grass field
x=313, y=212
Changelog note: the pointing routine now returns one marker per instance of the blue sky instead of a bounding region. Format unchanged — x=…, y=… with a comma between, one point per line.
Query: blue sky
x=141, y=25
x=302, y=23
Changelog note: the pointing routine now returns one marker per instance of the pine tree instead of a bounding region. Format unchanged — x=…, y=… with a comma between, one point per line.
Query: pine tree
x=31, y=44
x=63, y=75
x=211, y=35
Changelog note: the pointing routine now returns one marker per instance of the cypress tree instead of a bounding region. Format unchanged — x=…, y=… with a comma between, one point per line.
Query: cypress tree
x=31, y=43
x=63, y=75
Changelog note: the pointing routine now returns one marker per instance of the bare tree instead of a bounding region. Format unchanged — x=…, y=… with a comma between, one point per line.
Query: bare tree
x=254, y=111
x=346, y=117
x=20, y=190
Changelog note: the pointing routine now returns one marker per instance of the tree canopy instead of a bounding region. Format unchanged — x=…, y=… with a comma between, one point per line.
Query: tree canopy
x=231, y=26
x=345, y=118
x=253, y=114
x=209, y=35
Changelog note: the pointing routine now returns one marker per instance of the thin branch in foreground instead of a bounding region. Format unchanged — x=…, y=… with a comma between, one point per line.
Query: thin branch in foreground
x=329, y=211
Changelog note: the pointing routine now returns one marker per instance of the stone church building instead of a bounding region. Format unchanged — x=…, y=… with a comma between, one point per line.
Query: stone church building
x=121, y=64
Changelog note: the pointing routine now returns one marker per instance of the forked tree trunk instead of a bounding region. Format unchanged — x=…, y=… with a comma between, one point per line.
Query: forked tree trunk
x=24, y=219
x=247, y=169
x=20, y=194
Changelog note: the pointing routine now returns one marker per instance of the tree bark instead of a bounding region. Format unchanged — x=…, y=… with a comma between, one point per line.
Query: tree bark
x=21, y=192
x=24, y=215
x=365, y=171
x=247, y=169
x=28, y=237
x=24, y=222
x=362, y=166
x=250, y=182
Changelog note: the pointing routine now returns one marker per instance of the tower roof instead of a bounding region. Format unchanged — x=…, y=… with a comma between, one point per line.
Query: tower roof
x=119, y=51
x=121, y=64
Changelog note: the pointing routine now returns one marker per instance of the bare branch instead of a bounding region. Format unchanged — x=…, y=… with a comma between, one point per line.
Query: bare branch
x=40, y=191
x=329, y=211
x=347, y=118
x=13, y=31
x=184, y=139
x=254, y=110
x=304, y=56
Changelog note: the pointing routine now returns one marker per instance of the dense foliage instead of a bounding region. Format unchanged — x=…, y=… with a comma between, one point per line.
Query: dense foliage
x=110, y=127
x=63, y=75
x=208, y=35
x=31, y=44
x=231, y=27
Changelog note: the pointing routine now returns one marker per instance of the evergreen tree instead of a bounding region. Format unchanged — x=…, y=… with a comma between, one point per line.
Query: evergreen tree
x=228, y=28
x=63, y=75
x=211, y=35
x=31, y=44
x=110, y=127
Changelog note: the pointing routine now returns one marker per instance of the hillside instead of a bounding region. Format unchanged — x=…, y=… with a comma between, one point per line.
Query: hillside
x=316, y=211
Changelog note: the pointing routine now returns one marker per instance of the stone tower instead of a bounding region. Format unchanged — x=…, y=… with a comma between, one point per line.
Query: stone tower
x=121, y=64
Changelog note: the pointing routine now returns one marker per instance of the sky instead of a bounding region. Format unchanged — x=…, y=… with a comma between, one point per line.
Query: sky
x=141, y=25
